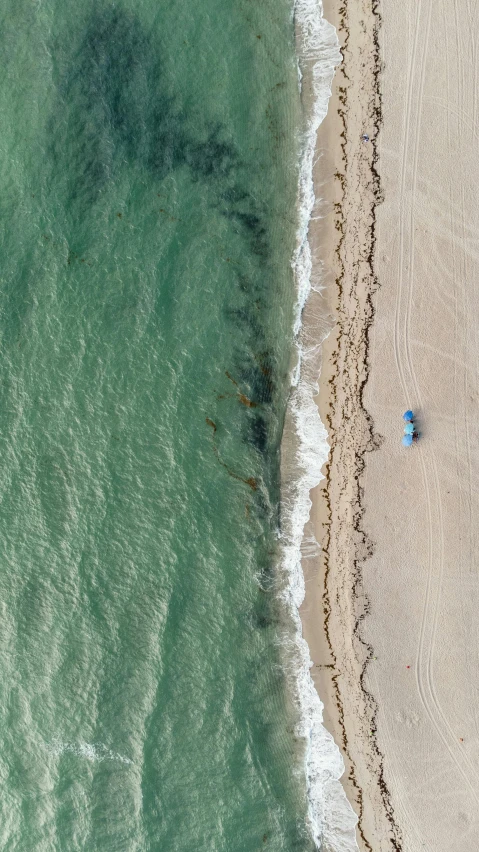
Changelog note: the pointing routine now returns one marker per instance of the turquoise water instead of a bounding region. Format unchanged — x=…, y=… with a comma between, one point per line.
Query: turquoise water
x=148, y=163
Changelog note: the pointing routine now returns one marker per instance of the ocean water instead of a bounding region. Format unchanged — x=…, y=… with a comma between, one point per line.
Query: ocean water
x=150, y=156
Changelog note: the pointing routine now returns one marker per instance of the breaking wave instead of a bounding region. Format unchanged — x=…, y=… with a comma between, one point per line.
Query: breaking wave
x=332, y=819
x=90, y=751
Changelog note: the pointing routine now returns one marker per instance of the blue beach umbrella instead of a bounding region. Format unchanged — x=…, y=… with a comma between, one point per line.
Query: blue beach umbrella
x=409, y=428
x=408, y=415
x=407, y=440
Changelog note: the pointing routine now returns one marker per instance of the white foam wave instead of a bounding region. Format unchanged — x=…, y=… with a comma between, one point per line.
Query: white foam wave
x=332, y=818
x=90, y=751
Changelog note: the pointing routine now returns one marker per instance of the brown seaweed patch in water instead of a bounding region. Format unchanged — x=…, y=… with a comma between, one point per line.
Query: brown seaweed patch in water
x=251, y=481
x=243, y=399
x=230, y=377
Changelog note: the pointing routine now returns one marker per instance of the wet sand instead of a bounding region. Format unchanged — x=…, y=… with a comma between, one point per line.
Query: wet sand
x=390, y=609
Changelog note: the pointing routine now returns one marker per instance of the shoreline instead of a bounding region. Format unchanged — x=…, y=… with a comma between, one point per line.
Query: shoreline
x=304, y=447
x=347, y=190
x=389, y=614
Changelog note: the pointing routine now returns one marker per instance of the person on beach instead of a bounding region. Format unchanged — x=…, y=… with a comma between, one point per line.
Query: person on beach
x=410, y=432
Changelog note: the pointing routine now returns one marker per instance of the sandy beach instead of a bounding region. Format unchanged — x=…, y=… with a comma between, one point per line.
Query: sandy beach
x=390, y=608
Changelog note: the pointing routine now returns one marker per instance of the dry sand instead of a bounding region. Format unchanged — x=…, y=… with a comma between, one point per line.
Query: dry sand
x=391, y=613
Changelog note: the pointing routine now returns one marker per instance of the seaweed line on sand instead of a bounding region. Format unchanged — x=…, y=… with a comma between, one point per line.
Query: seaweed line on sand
x=370, y=441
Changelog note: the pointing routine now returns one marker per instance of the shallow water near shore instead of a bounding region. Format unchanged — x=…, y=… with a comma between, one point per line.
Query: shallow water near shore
x=150, y=163
x=149, y=171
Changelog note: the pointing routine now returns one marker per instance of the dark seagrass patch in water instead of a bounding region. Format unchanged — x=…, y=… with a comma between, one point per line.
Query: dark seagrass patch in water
x=116, y=104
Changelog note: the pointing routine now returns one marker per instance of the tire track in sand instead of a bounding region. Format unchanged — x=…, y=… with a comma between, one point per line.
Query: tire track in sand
x=430, y=702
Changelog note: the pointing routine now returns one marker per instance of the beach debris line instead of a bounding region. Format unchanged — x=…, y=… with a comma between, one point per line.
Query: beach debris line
x=410, y=432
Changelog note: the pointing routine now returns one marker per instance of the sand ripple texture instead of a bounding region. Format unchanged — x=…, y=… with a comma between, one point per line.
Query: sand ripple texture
x=427, y=341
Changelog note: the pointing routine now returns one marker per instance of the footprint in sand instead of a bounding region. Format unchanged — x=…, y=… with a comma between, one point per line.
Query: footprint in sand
x=409, y=718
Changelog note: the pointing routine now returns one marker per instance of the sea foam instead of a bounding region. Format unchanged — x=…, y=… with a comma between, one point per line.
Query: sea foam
x=332, y=819
x=90, y=751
